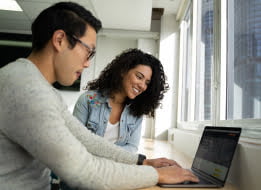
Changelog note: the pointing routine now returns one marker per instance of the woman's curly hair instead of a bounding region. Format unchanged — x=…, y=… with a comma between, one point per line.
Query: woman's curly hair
x=110, y=81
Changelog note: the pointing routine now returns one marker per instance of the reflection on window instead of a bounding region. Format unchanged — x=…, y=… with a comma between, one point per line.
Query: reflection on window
x=244, y=61
x=203, y=96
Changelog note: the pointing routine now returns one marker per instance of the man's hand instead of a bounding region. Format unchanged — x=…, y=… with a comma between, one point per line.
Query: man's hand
x=174, y=174
x=160, y=162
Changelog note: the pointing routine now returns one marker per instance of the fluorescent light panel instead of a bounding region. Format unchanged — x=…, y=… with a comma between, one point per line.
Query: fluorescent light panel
x=9, y=5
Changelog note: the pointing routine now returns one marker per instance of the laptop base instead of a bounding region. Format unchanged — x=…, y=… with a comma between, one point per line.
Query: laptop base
x=182, y=185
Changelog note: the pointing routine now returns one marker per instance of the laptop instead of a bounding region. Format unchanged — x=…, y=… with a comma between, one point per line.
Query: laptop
x=213, y=157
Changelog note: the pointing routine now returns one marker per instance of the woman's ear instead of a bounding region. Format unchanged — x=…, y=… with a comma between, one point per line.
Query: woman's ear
x=59, y=40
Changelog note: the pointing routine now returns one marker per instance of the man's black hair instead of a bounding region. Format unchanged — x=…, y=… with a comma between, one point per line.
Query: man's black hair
x=68, y=16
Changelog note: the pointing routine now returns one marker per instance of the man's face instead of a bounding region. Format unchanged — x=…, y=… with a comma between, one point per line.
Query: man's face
x=69, y=64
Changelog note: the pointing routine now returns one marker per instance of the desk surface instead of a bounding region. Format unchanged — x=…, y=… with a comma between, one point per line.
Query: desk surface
x=157, y=149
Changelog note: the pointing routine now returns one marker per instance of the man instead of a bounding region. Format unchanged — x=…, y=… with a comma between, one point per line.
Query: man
x=38, y=133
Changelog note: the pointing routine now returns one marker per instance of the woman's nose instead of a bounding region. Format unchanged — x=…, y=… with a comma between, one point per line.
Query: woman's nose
x=143, y=86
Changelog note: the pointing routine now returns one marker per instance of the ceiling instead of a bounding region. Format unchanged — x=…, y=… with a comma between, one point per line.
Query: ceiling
x=114, y=14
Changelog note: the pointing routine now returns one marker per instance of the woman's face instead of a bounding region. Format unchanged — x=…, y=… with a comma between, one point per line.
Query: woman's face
x=136, y=81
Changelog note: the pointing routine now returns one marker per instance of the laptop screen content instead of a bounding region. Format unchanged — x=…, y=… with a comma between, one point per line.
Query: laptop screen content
x=215, y=152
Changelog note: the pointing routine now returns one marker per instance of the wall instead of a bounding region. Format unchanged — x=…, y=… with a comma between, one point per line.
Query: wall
x=245, y=171
x=107, y=48
x=168, y=55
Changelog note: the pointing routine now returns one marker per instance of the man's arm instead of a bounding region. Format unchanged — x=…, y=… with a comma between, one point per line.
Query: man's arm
x=98, y=145
x=40, y=126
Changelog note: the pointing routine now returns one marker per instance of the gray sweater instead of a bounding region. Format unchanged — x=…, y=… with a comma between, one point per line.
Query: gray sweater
x=38, y=133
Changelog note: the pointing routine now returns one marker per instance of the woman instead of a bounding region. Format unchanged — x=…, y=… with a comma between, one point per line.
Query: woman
x=131, y=86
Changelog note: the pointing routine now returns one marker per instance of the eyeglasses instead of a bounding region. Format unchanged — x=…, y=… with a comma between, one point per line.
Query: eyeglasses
x=91, y=51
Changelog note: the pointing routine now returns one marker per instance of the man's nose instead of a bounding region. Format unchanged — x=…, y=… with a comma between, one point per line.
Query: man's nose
x=87, y=64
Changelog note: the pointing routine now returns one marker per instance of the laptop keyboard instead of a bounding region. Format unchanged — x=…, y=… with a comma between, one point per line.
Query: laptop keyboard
x=189, y=182
x=201, y=181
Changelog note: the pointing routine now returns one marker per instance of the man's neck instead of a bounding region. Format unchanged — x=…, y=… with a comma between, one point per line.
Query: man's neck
x=45, y=65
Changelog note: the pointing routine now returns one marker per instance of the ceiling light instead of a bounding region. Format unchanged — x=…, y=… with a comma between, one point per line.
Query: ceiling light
x=9, y=5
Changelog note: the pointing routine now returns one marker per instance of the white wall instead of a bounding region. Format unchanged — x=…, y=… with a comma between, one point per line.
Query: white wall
x=70, y=98
x=168, y=55
x=148, y=45
x=108, y=48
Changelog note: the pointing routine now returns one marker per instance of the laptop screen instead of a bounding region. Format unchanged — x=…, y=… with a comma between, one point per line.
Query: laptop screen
x=216, y=150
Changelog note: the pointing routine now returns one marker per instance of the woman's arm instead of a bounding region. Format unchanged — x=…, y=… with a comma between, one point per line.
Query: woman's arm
x=81, y=109
x=132, y=143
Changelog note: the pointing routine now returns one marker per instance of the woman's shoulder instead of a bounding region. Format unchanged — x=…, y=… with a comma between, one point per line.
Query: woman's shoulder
x=131, y=116
x=94, y=97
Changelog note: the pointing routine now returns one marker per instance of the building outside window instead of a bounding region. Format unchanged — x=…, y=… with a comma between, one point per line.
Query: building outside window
x=244, y=61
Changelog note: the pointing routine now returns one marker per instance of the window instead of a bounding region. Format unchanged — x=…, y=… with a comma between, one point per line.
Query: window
x=197, y=76
x=220, y=68
x=204, y=64
x=186, y=43
x=244, y=60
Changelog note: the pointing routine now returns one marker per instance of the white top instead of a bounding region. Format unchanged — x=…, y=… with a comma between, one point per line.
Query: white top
x=38, y=133
x=112, y=132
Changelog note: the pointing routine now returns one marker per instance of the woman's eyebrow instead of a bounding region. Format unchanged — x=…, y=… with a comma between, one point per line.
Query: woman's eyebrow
x=140, y=73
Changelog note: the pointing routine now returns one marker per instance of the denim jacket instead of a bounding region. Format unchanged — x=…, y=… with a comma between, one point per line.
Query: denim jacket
x=93, y=110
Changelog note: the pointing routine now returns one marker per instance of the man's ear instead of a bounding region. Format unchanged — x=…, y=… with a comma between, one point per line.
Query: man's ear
x=59, y=40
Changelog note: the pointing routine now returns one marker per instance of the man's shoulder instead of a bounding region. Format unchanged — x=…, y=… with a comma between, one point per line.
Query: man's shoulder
x=20, y=70
x=22, y=79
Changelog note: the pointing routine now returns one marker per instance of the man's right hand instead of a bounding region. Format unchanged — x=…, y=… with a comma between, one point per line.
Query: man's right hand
x=174, y=174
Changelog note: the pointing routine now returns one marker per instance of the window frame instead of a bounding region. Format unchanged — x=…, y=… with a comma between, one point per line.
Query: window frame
x=251, y=127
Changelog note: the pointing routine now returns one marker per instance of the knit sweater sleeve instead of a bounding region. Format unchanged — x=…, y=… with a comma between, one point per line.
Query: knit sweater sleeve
x=103, y=172
x=38, y=121
x=98, y=145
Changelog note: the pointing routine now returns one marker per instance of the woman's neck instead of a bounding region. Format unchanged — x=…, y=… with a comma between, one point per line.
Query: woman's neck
x=117, y=103
x=117, y=98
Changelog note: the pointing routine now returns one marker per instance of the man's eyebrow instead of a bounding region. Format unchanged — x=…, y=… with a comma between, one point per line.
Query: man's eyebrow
x=92, y=46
